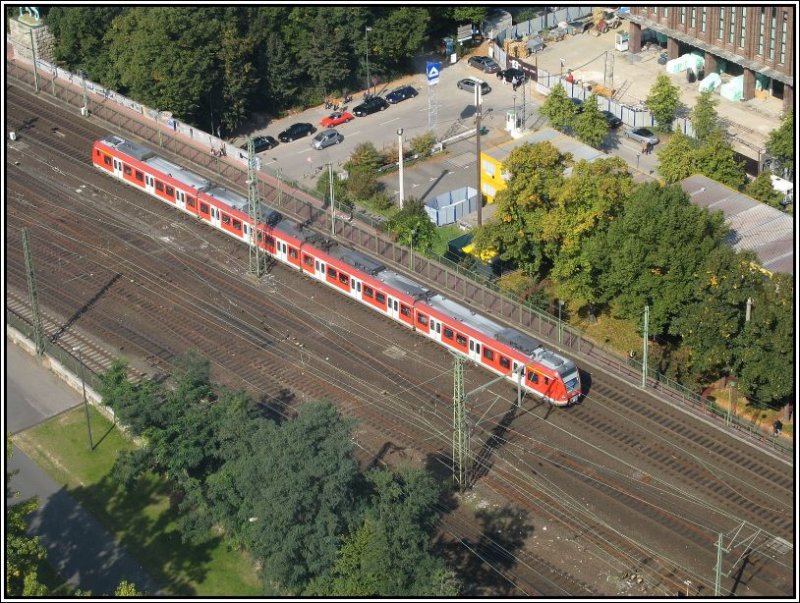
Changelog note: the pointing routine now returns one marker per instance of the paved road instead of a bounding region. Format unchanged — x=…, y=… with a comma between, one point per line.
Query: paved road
x=81, y=549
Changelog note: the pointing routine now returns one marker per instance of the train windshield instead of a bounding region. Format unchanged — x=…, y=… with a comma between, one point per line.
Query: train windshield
x=571, y=382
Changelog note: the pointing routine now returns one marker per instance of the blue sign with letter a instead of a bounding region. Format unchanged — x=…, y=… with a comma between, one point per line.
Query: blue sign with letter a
x=432, y=71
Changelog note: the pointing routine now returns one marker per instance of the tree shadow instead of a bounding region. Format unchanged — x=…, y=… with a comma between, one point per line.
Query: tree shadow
x=276, y=408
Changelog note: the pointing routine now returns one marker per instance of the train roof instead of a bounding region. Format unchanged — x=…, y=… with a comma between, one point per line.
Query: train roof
x=355, y=259
x=136, y=151
x=229, y=198
x=403, y=284
x=293, y=230
x=468, y=317
x=519, y=341
x=180, y=174
x=562, y=365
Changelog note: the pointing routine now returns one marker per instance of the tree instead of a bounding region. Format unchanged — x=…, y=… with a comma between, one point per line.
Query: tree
x=704, y=116
x=761, y=188
x=412, y=225
x=591, y=126
x=676, y=160
x=365, y=157
x=79, y=35
x=716, y=160
x=422, y=145
x=396, y=37
x=663, y=101
x=469, y=14
x=558, y=108
x=780, y=143
x=127, y=589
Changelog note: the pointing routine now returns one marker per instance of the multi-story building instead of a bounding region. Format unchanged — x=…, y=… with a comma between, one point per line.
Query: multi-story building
x=752, y=40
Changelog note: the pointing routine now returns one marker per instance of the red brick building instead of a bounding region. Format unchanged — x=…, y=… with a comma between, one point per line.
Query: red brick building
x=756, y=41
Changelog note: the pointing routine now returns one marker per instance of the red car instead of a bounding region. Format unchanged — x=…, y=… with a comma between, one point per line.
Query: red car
x=336, y=118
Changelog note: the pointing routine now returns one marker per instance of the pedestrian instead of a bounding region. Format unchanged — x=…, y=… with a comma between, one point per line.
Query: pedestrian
x=514, y=83
x=777, y=426
x=649, y=147
x=644, y=148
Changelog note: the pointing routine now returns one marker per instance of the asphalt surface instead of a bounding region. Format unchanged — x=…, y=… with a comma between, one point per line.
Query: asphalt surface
x=78, y=546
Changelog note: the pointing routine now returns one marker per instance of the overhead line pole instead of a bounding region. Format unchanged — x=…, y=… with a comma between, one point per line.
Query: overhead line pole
x=644, y=346
x=478, y=148
x=38, y=332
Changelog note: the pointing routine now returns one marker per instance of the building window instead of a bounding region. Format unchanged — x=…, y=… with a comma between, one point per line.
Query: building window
x=732, y=27
x=782, y=58
x=721, y=31
x=488, y=168
x=693, y=22
x=703, y=19
x=742, y=28
x=772, y=36
x=666, y=11
x=683, y=15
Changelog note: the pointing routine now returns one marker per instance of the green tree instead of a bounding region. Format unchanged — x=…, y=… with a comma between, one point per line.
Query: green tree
x=396, y=37
x=325, y=58
x=423, y=144
x=663, y=101
x=591, y=126
x=652, y=253
x=469, y=14
x=412, y=225
x=676, y=160
x=239, y=75
x=361, y=185
x=704, y=116
x=79, y=35
x=127, y=589
x=761, y=188
x=558, y=108
x=365, y=157
x=716, y=160
x=780, y=143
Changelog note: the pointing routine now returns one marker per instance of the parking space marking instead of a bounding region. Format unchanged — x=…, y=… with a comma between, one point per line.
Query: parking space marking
x=383, y=123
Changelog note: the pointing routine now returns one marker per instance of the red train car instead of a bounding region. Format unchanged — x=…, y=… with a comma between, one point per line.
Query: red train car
x=500, y=349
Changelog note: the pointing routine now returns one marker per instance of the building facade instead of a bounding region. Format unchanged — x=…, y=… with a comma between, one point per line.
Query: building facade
x=755, y=41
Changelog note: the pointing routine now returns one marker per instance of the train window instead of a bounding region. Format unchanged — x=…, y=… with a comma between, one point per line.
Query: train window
x=344, y=279
x=368, y=291
x=308, y=260
x=259, y=236
x=106, y=159
x=203, y=208
x=461, y=340
x=422, y=319
x=448, y=333
x=546, y=380
x=128, y=171
x=189, y=201
x=488, y=354
x=139, y=176
x=533, y=377
x=332, y=272
x=404, y=310
x=380, y=298
x=293, y=253
x=170, y=191
x=159, y=186
x=505, y=362
x=226, y=219
x=237, y=225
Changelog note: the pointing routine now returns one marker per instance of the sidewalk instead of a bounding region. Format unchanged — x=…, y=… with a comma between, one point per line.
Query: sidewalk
x=78, y=546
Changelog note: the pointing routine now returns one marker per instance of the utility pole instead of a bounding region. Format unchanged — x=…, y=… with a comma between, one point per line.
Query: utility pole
x=252, y=201
x=644, y=346
x=718, y=572
x=333, y=201
x=478, y=150
x=460, y=430
x=400, y=147
x=85, y=403
x=85, y=111
x=33, y=57
x=38, y=332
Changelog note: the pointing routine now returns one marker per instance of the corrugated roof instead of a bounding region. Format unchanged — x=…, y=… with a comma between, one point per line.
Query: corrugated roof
x=754, y=225
x=562, y=142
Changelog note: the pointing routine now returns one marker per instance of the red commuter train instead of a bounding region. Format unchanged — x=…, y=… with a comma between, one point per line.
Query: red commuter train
x=498, y=348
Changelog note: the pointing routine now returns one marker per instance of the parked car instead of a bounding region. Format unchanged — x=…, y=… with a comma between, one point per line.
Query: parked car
x=336, y=118
x=326, y=138
x=469, y=84
x=642, y=135
x=371, y=105
x=613, y=120
x=511, y=73
x=296, y=131
x=262, y=143
x=484, y=63
x=401, y=94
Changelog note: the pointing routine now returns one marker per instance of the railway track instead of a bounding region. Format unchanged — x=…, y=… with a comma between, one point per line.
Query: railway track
x=266, y=333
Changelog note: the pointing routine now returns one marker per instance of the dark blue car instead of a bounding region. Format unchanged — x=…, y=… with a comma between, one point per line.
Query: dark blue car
x=401, y=94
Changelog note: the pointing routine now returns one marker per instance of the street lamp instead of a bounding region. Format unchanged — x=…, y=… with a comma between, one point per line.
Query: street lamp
x=400, y=151
x=85, y=402
x=333, y=201
x=561, y=73
x=368, y=29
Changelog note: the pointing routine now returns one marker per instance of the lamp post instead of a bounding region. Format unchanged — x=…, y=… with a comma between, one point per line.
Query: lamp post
x=333, y=202
x=400, y=152
x=82, y=73
x=560, y=305
x=515, y=112
x=85, y=402
x=413, y=234
x=368, y=29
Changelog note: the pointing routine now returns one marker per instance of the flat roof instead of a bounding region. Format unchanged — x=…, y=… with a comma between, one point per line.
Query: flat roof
x=754, y=225
x=564, y=143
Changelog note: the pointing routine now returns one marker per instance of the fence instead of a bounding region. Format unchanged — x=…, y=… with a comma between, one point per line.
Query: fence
x=465, y=286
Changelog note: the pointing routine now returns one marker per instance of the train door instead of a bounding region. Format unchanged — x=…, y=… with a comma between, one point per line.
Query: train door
x=319, y=270
x=393, y=307
x=215, y=217
x=355, y=288
x=436, y=329
x=474, y=350
x=180, y=198
x=149, y=184
x=281, y=251
x=117, y=168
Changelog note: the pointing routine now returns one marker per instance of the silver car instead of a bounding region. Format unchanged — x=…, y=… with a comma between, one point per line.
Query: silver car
x=326, y=138
x=642, y=135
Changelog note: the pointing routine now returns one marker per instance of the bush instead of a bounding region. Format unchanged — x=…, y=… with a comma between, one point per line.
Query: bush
x=361, y=184
x=422, y=145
